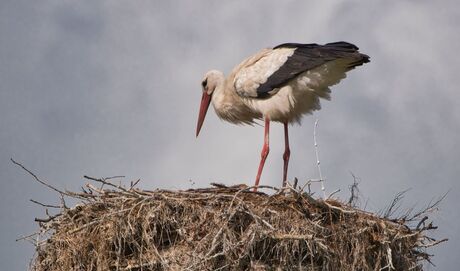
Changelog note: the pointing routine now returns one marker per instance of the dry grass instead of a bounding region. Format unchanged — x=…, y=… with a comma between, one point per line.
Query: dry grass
x=222, y=228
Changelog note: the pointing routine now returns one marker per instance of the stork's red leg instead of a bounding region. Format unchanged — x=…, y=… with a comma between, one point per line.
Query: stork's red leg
x=287, y=153
x=265, y=151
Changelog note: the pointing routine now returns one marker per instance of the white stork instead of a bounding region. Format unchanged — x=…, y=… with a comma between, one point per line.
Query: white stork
x=279, y=84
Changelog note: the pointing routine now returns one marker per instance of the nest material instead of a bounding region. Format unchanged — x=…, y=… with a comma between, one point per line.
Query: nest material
x=222, y=228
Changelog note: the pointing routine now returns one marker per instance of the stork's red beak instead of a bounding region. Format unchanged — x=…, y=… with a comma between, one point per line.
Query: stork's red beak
x=205, y=101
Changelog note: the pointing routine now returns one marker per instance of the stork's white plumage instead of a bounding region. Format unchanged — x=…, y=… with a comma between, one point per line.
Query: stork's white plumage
x=279, y=84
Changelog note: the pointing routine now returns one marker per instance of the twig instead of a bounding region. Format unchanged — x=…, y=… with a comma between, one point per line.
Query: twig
x=421, y=222
x=354, y=190
x=395, y=204
x=281, y=236
x=47, y=219
x=338, y=208
x=27, y=236
x=114, y=177
x=63, y=201
x=214, y=242
x=431, y=206
x=38, y=179
x=45, y=205
x=135, y=183
x=389, y=266
x=333, y=193
x=434, y=243
x=318, y=163
x=119, y=187
x=260, y=219
x=93, y=188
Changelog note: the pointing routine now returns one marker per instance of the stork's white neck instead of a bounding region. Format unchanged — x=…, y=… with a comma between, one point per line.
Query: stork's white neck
x=219, y=94
x=226, y=102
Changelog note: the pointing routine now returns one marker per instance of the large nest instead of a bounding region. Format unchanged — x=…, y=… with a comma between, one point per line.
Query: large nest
x=222, y=228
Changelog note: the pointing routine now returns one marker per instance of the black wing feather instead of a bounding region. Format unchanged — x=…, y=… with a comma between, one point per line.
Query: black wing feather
x=307, y=57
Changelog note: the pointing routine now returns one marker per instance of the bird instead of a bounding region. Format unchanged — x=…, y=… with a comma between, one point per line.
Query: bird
x=279, y=84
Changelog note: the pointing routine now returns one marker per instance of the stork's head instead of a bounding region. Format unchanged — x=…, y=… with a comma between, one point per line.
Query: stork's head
x=212, y=79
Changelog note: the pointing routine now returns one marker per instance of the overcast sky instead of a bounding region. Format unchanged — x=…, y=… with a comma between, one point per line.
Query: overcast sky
x=107, y=88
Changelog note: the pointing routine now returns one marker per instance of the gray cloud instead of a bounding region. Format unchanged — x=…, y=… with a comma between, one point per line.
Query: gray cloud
x=112, y=88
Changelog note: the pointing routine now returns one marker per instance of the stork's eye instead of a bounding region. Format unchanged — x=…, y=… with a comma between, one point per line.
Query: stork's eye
x=204, y=83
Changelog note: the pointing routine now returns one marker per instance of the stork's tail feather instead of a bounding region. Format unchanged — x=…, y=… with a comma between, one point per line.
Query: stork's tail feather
x=343, y=45
x=347, y=50
x=360, y=60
